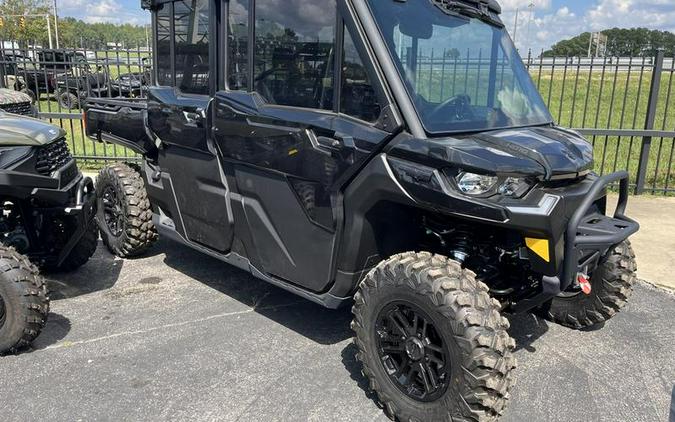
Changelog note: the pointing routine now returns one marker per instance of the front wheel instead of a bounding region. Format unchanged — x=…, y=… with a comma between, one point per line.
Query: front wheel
x=24, y=304
x=432, y=342
x=611, y=287
x=124, y=215
x=81, y=252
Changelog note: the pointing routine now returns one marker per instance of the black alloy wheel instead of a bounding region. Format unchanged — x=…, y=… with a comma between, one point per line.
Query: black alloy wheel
x=112, y=211
x=412, y=351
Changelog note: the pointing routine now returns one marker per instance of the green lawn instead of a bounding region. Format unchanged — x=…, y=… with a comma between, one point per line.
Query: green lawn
x=577, y=99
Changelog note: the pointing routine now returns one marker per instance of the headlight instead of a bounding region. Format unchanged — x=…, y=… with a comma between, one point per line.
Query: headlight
x=475, y=184
x=514, y=187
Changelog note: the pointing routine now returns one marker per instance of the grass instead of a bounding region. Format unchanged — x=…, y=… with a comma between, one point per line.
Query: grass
x=576, y=99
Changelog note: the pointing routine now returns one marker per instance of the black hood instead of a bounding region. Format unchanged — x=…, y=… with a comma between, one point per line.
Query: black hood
x=544, y=152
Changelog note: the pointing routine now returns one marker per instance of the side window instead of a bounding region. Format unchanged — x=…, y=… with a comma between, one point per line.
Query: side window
x=191, y=27
x=358, y=98
x=294, y=51
x=238, y=45
x=164, y=76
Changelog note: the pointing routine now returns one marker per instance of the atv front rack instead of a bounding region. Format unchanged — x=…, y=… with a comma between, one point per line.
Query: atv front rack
x=588, y=238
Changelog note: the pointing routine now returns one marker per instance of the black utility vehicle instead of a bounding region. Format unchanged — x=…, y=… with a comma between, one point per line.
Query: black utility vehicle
x=82, y=79
x=386, y=153
x=46, y=222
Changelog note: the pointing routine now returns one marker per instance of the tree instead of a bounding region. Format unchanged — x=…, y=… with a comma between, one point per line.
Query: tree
x=35, y=30
x=634, y=42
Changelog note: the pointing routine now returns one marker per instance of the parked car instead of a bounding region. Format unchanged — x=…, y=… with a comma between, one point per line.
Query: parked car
x=47, y=222
x=346, y=164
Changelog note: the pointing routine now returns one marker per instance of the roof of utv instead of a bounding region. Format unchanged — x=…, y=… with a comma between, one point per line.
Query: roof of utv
x=491, y=5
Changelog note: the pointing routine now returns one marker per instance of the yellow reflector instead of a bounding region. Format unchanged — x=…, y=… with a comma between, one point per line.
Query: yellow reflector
x=539, y=246
x=292, y=151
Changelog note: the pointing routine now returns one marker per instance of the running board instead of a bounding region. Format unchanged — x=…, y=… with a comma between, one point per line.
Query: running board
x=165, y=227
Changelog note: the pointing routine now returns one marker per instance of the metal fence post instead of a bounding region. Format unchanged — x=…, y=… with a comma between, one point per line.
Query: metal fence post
x=649, y=123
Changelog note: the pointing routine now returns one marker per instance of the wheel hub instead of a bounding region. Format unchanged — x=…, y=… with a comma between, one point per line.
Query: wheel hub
x=412, y=352
x=414, y=348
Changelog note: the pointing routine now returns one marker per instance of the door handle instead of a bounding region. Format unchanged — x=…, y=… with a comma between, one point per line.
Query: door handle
x=339, y=142
x=192, y=118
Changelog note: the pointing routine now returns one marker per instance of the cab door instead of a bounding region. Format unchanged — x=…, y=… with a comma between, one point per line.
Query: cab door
x=192, y=189
x=300, y=115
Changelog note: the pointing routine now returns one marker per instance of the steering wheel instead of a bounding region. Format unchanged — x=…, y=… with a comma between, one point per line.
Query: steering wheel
x=460, y=107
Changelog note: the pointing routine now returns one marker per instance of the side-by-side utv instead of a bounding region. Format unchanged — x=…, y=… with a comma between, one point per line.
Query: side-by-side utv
x=47, y=222
x=389, y=154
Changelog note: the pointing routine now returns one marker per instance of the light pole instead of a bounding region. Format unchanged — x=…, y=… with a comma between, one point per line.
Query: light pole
x=529, y=24
x=56, y=25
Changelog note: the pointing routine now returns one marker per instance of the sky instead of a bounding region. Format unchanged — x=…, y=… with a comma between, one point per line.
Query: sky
x=539, y=27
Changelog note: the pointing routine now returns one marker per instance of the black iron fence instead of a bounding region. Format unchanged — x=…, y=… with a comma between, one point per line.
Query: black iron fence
x=59, y=80
x=625, y=106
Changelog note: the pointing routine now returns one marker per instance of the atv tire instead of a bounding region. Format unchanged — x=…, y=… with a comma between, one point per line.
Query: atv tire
x=461, y=327
x=81, y=253
x=24, y=304
x=68, y=100
x=124, y=215
x=611, y=287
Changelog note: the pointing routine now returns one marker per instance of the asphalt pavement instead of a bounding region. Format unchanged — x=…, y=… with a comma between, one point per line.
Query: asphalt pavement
x=177, y=335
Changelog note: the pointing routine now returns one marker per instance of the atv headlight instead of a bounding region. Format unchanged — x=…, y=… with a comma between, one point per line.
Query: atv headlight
x=475, y=184
x=514, y=186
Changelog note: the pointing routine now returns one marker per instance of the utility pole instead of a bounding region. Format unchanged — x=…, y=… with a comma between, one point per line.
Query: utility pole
x=56, y=25
x=49, y=31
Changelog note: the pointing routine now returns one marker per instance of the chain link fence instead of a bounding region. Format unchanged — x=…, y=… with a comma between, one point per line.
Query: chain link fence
x=625, y=106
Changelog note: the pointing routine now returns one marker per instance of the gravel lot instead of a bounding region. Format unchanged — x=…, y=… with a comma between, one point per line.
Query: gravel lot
x=180, y=336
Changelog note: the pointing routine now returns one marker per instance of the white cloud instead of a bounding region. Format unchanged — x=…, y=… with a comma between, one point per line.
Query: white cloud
x=547, y=26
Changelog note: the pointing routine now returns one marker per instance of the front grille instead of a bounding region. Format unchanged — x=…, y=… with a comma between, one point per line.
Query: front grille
x=24, y=109
x=52, y=157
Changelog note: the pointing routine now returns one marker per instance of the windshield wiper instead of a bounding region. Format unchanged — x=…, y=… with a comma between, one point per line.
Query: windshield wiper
x=471, y=8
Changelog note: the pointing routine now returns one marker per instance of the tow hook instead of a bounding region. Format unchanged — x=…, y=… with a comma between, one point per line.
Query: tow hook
x=584, y=283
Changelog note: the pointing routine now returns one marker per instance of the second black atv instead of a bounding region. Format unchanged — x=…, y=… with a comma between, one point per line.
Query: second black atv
x=46, y=222
x=390, y=154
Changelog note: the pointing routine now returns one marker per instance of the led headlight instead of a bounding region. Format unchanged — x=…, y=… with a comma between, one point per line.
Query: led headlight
x=514, y=187
x=475, y=184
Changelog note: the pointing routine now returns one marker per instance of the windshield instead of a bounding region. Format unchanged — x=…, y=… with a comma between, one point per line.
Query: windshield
x=463, y=74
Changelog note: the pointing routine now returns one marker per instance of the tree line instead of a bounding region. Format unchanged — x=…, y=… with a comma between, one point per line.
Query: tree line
x=73, y=33
x=634, y=42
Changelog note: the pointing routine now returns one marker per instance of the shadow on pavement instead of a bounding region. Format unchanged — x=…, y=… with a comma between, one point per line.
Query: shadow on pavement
x=58, y=326
x=526, y=329
x=100, y=273
x=324, y=326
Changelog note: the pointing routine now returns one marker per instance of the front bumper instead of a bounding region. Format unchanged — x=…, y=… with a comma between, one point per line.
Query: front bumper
x=588, y=237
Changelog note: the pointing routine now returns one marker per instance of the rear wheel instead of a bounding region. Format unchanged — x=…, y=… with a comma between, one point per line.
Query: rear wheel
x=24, y=304
x=432, y=342
x=611, y=287
x=124, y=215
x=68, y=100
